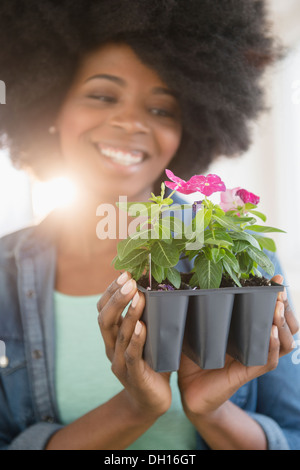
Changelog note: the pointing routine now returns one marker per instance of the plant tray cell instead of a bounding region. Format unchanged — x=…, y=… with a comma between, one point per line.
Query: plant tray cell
x=205, y=324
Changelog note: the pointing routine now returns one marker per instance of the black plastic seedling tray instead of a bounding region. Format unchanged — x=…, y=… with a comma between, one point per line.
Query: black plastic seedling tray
x=206, y=324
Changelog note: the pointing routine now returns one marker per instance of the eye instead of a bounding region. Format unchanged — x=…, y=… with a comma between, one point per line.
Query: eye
x=162, y=112
x=103, y=98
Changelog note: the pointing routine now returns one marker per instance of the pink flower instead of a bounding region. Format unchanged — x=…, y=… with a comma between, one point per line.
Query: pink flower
x=178, y=184
x=248, y=197
x=237, y=197
x=229, y=200
x=207, y=185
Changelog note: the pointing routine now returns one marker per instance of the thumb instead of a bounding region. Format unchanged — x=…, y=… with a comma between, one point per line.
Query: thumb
x=278, y=278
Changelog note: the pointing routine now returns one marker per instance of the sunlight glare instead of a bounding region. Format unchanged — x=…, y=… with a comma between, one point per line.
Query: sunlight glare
x=54, y=194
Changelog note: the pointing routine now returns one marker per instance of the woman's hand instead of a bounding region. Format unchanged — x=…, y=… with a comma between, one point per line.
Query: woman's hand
x=148, y=392
x=285, y=320
x=204, y=391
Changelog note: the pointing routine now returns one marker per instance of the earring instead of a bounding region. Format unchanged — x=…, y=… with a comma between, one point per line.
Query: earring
x=52, y=130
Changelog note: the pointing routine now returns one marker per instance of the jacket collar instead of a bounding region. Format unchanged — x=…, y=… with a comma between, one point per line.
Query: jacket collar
x=37, y=238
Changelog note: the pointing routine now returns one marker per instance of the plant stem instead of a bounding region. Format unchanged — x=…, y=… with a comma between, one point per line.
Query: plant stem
x=172, y=193
x=150, y=272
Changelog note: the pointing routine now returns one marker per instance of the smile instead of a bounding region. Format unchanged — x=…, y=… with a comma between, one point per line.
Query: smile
x=122, y=157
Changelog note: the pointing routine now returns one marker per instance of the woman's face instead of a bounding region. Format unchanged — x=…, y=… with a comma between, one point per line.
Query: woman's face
x=119, y=125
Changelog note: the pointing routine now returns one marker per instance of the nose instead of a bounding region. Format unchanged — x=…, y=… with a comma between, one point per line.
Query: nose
x=130, y=120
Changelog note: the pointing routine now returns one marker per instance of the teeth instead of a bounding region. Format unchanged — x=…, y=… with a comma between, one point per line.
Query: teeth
x=124, y=158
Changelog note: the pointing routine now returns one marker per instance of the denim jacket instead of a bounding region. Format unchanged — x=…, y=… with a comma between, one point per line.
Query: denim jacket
x=28, y=409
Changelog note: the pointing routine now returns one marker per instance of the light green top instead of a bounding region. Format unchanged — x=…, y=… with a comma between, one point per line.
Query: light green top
x=84, y=380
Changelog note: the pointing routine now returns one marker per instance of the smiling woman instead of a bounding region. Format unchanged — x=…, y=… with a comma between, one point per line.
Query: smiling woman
x=123, y=118
x=115, y=92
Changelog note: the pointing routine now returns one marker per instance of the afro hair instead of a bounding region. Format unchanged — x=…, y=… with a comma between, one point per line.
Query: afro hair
x=212, y=53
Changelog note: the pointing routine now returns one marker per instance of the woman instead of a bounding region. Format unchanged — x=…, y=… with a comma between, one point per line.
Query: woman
x=112, y=93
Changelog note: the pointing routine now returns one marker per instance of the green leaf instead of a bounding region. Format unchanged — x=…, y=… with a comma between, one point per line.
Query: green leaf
x=258, y=214
x=242, y=220
x=245, y=262
x=217, y=254
x=168, y=201
x=174, y=224
x=207, y=251
x=194, y=282
x=163, y=232
x=191, y=254
x=232, y=261
x=240, y=245
x=209, y=274
x=218, y=234
x=190, y=232
x=218, y=211
x=174, y=277
x=157, y=272
x=213, y=241
x=261, y=259
x=256, y=272
x=135, y=258
x=248, y=206
x=131, y=243
x=165, y=255
x=226, y=222
x=180, y=243
x=264, y=229
x=207, y=217
x=245, y=236
x=138, y=271
x=267, y=243
x=198, y=223
x=231, y=273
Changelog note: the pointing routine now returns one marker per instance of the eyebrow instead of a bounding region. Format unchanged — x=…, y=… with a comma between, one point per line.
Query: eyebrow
x=121, y=82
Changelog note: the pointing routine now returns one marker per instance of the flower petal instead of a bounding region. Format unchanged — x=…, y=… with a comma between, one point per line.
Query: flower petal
x=174, y=178
x=183, y=189
x=229, y=195
x=229, y=199
x=173, y=186
x=216, y=182
x=197, y=180
x=248, y=197
x=212, y=178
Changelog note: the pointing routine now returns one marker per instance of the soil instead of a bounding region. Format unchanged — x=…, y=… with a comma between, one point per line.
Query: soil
x=253, y=281
x=144, y=282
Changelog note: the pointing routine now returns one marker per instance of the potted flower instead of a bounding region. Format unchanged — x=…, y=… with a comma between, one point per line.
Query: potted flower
x=222, y=303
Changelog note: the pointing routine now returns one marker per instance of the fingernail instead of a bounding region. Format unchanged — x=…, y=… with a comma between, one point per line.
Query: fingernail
x=135, y=300
x=138, y=328
x=122, y=279
x=275, y=331
x=294, y=345
x=127, y=287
